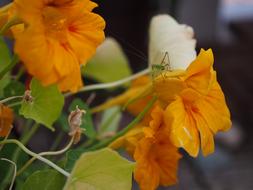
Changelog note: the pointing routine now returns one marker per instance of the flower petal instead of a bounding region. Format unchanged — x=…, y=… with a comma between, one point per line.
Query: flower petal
x=214, y=110
x=166, y=35
x=183, y=127
x=200, y=73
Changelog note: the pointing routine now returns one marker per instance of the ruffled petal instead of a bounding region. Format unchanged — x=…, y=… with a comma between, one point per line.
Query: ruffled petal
x=214, y=110
x=85, y=34
x=183, y=131
x=199, y=74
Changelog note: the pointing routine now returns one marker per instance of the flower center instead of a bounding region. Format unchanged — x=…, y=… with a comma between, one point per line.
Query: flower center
x=55, y=22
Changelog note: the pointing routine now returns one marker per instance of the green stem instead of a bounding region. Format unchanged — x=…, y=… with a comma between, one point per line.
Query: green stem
x=13, y=62
x=37, y=156
x=15, y=171
x=126, y=129
x=10, y=98
x=27, y=134
x=107, y=123
x=20, y=73
x=88, y=143
x=53, y=153
x=11, y=22
x=111, y=84
x=5, y=138
x=14, y=104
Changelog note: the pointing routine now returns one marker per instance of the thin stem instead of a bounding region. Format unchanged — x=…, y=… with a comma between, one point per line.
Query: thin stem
x=46, y=154
x=14, y=104
x=13, y=62
x=20, y=73
x=6, y=137
x=106, y=124
x=126, y=129
x=88, y=143
x=10, y=98
x=14, y=20
x=37, y=156
x=111, y=84
x=15, y=171
x=27, y=134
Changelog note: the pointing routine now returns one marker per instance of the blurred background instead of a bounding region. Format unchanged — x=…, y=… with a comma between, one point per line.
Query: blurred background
x=226, y=26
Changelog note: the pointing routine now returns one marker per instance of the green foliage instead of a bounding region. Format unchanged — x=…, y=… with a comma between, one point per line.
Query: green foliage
x=109, y=64
x=14, y=88
x=72, y=156
x=110, y=120
x=101, y=170
x=20, y=180
x=45, y=180
x=5, y=59
x=109, y=123
x=7, y=152
x=63, y=122
x=3, y=83
x=87, y=122
x=46, y=106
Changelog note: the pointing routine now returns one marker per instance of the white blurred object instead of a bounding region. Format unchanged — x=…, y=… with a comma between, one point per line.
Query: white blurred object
x=233, y=138
x=236, y=10
x=167, y=36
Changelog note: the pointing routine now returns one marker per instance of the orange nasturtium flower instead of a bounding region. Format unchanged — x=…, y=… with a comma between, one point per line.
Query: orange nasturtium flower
x=199, y=110
x=156, y=157
x=59, y=36
x=193, y=101
x=194, y=104
x=6, y=120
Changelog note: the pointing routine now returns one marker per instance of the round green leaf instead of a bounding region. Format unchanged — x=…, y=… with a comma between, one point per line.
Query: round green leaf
x=101, y=170
x=45, y=180
x=46, y=106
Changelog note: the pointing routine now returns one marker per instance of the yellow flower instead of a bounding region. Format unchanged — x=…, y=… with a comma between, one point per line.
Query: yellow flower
x=59, y=36
x=199, y=111
x=156, y=157
x=6, y=120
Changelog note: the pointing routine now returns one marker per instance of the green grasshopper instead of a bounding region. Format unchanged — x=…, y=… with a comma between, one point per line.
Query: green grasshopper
x=158, y=69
